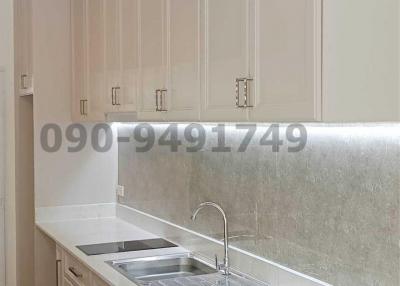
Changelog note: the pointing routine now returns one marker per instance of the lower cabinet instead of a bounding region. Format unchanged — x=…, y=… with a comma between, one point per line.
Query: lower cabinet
x=71, y=272
x=96, y=281
x=66, y=282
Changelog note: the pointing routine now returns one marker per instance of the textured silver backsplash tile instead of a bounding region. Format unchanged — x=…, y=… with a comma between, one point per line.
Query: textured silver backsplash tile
x=330, y=211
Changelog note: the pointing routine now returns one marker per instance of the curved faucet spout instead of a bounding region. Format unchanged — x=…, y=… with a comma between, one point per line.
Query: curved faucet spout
x=225, y=266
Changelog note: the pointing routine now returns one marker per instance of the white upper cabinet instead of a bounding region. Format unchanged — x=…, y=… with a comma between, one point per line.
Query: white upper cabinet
x=88, y=75
x=361, y=67
x=226, y=57
x=262, y=60
x=23, y=49
x=96, y=71
x=112, y=54
x=287, y=61
x=121, y=55
x=129, y=51
x=105, y=57
x=153, y=60
x=197, y=60
x=183, y=97
x=79, y=60
x=232, y=60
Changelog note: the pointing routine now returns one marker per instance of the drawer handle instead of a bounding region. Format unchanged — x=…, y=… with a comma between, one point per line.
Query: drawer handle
x=75, y=272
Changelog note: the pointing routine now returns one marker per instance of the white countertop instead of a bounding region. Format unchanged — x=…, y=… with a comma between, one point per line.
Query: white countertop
x=71, y=226
x=69, y=234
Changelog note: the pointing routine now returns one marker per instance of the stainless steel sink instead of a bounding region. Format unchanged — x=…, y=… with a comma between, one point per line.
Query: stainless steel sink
x=161, y=267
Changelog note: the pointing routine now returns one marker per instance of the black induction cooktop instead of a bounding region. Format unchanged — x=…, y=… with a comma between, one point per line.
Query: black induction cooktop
x=125, y=246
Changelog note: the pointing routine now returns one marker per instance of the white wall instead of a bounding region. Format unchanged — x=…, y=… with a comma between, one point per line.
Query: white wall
x=63, y=178
x=361, y=59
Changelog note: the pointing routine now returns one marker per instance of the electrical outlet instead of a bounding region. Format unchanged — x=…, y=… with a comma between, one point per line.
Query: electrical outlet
x=120, y=191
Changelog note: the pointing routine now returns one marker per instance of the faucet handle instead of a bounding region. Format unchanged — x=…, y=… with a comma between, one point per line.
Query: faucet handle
x=219, y=266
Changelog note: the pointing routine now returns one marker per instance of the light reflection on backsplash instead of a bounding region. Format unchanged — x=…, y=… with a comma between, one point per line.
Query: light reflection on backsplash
x=330, y=211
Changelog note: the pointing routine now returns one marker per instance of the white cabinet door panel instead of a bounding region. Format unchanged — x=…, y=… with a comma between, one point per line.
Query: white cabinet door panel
x=79, y=60
x=96, y=76
x=287, y=61
x=226, y=25
x=129, y=29
x=153, y=56
x=184, y=60
x=112, y=53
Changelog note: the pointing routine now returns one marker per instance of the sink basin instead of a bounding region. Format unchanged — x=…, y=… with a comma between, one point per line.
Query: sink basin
x=161, y=267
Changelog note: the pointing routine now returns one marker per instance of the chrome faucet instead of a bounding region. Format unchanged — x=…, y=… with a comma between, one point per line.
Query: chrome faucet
x=224, y=267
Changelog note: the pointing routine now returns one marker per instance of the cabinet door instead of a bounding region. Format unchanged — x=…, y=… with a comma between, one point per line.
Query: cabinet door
x=129, y=49
x=95, y=44
x=79, y=60
x=112, y=54
x=226, y=44
x=287, y=60
x=23, y=49
x=153, y=57
x=184, y=60
x=88, y=77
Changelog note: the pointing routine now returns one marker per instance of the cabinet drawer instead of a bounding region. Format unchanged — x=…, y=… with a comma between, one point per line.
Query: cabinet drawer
x=76, y=271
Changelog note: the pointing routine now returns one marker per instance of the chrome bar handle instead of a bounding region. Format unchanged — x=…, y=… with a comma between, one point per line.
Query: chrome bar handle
x=157, y=102
x=116, y=97
x=113, y=96
x=83, y=109
x=160, y=96
x=23, y=77
x=163, y=99
x=237, y=98
x=246, y=92
x=75, y=272
x=58, y=262
x=81, y=106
